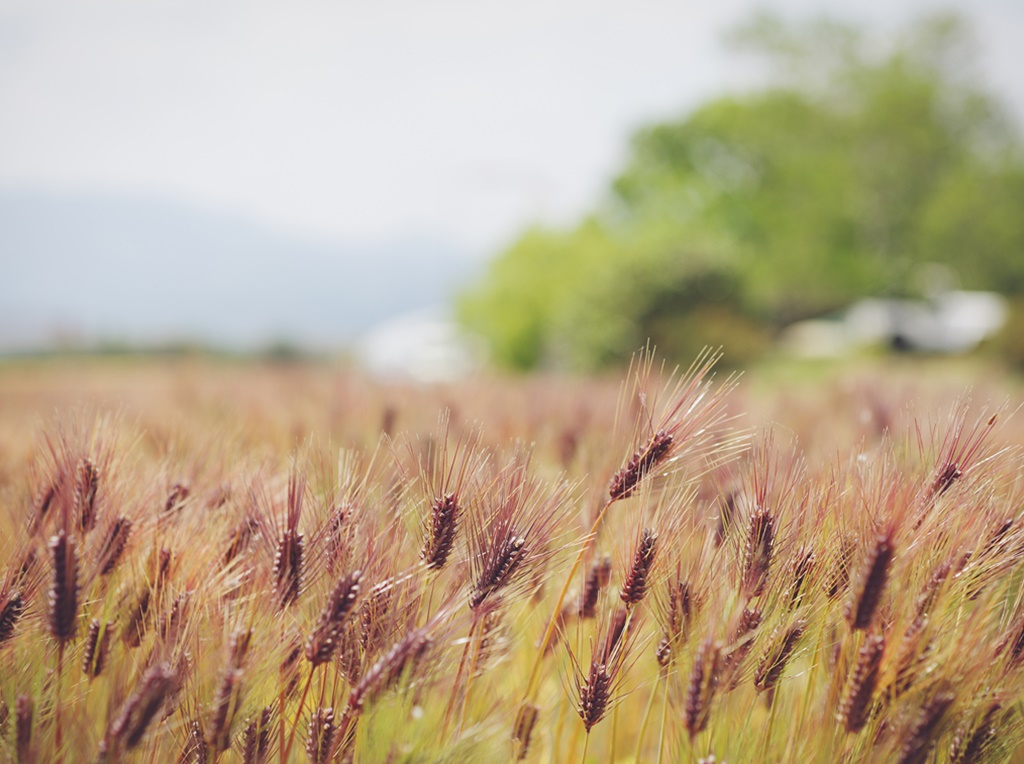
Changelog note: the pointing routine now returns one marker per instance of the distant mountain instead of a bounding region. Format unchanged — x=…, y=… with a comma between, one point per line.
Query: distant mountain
x=89, y=269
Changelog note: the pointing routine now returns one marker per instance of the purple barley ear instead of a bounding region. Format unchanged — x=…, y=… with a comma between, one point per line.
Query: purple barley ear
x=757, y=553
x=23, y=711
x=43, y=503
x=490, y=637
x=502, y=561
x=597, y=578
x=526, y=720
x=643, y=461
x=87, y=479
x=773, y=663
x=173, y=621
x=227, y=698
x=510, y=529
x=97, y=645
x=326, y=637
x=959, y=451
x=196, y=748
x=930, y=591
x=1012, y=643
x=691, y=421
x=741, y=642
x=595, y=694
x=800, y=569
x=255, y=741
x=158, y=686
x=727, y=511
x=973, y=737
x=240, y=538
x=441, y=528
x=446, y=468
x=113, y=545
x=225, y=702
x=678, y=615
x=597, y=684
x=137, y=623
x=291, y=545
x=634, y=588
x=176, y=496
x=924, y=732
x=855, y=707
x=63, y=596
x=613, y=644
x=910, y=657
x=869, y=587
x=405, y=655
x=11, y=612
x=701, y=686
x=320, y=736
x=288, y=567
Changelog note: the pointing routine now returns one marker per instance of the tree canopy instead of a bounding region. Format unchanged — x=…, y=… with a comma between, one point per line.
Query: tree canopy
x=850, y=167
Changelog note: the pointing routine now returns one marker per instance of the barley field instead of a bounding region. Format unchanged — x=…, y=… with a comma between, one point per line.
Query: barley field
x=215, y=561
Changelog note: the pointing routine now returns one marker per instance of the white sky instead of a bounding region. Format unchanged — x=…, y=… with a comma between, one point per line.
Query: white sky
x=458, y=119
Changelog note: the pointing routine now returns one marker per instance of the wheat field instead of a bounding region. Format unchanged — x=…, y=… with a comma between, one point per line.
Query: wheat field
x=210, y=561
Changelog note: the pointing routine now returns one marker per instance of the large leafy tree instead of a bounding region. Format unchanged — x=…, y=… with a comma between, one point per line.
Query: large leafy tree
x=850, y=167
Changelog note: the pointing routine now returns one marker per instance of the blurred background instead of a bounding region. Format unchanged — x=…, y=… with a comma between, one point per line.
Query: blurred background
x=427, y=187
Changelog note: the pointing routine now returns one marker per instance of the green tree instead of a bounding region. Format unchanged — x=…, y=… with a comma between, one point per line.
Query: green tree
x=851, y=167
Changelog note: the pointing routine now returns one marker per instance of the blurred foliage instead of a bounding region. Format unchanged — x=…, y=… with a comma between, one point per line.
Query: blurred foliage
x=854, y=164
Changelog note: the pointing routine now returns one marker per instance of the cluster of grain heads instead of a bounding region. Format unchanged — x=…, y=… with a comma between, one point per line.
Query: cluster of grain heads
x=416, y=599
x=401, y=662
x=691, y=426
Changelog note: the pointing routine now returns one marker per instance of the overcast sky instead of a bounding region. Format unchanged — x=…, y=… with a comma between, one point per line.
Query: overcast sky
x=358, y=121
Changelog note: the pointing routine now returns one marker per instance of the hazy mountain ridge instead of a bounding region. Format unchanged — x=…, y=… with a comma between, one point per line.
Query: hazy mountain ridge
x=111, y=268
